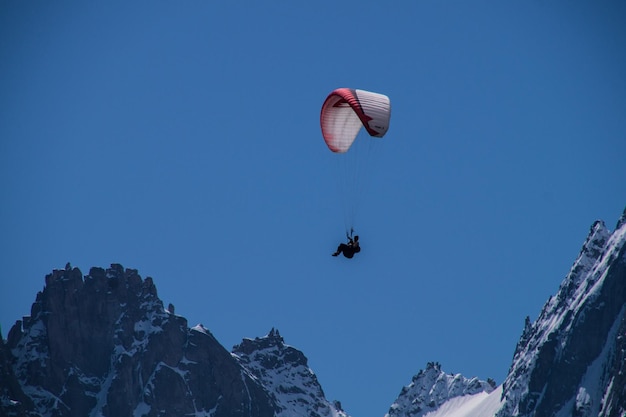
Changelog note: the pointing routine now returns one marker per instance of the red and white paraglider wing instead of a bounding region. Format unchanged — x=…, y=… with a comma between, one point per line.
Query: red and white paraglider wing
x=346, y=110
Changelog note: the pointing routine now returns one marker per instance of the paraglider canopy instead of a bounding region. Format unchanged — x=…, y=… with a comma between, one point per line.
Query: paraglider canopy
x=351, y=121
x=346, y=110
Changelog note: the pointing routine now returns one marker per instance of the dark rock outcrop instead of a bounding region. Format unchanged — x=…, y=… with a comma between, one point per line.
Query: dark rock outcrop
x=13, y=401
x=105, y=344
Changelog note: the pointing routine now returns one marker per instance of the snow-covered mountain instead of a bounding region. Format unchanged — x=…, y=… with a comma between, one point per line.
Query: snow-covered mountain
x=283, y=370
x=104, y=345
x=571, y=362
x=431, y=388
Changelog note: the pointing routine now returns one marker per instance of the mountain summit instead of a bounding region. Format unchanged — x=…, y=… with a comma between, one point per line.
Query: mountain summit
x=284, y=372
x=431, y=388
x=104, y=345
x=572, y=360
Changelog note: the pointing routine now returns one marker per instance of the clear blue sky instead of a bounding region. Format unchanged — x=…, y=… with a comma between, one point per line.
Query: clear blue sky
x=182, y=139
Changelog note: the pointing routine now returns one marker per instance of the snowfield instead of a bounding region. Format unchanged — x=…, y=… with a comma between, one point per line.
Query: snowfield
x=477, y=405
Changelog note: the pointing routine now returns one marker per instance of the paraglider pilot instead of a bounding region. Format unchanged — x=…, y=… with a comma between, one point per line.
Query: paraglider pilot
x=349, y=249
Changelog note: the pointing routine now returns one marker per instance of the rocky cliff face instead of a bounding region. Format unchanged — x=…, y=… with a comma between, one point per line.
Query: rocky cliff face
x=13, y=401
x=571, y=360
x=104, y=345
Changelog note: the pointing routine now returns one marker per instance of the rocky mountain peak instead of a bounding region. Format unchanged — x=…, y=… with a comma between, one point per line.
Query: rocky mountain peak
x=273, y=340
x=432, y=387
x=72, y=320
x=566, y=361
x=104, y=345
x=284, y=371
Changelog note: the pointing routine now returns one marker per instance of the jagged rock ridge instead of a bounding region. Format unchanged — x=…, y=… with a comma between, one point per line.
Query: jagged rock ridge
x=571, y=360
x=431, y=388
x=103, y=345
